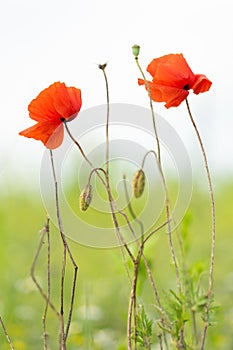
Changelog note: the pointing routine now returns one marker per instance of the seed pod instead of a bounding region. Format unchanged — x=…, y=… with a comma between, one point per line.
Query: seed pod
x=85, y=198
x=136, y=50
x=138, y=183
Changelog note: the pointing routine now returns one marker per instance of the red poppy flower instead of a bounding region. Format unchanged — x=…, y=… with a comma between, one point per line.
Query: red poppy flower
x=53, y=106
x=172, y=78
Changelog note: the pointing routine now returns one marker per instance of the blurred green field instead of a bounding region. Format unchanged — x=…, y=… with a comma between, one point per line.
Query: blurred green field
x=100, y=310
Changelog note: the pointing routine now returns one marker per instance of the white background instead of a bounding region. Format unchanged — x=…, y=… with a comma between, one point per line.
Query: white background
x=47, y=40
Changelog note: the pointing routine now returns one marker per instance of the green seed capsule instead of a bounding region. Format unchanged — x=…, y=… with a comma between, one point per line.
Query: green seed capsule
x=138, y=183
x=136, y=50
x=85, y=198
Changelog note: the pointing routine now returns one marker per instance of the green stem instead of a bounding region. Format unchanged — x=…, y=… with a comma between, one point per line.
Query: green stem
x=133, y=295
x=63, y=332
x=6, y=334
x=32, y=272
x=102, y=67
x=213, y=234
x=111, y=201
x=44, y=317
x=158, y=159
x=140, y=255
x=152, y=109
x=168, y=214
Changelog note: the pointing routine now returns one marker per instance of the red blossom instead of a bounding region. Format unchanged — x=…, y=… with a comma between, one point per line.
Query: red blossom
x=53, y=106
x=172, y=78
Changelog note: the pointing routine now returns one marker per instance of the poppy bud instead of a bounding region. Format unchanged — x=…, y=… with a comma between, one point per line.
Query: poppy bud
x=85, y=198
x=136, y=50
x=138, y=183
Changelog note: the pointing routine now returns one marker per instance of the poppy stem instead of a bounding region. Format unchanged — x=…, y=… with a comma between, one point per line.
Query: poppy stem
x=152, y=109
x=213, y=238
x=64, y=332
x=6, y=334
x=149, y=273
x=168, y=214
x=111, y=201
x=102, y=67
x=140, y=255
x=132, y=302
x=117, y=228
x=93, y=171
x=158, y=159
x=78, y=145
x=48, y=285
x=132, y=310
x=43, y=232
x=32, y=272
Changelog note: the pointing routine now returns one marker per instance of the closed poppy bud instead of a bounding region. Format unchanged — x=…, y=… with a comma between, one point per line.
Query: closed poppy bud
x=136, y=50
x=138, y=183
x=85, y=198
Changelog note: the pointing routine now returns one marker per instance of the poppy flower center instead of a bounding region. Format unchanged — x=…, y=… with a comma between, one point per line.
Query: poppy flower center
x=186, y=87
x=62, y=119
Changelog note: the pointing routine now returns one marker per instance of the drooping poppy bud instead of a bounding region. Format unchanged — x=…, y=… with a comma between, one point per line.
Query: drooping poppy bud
x=138, y=183
x=136, y=50
x=85, y=198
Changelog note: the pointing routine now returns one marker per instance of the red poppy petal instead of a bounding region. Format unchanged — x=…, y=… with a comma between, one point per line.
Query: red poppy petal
x=51, y=134
x=170, y=95
x=202, y=84
x=141, y=82
x=67, y=101
x=171, y=70
x=75, y=97
x=42, y=107
x=56, y=138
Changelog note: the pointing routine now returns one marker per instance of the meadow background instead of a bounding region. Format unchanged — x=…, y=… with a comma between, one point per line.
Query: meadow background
x=46, y=41
x=100, y=311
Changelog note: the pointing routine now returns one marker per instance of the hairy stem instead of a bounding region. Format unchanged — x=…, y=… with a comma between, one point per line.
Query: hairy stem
x=44, y=231
x=213, y=233
x=102, y=67
x=158, y=159
x=167, y=208
x=132, y=310
x=63, y=333
x=6, y=334
x=111, y=201
x=136, y=266
x=152, y=109
x=48, y=288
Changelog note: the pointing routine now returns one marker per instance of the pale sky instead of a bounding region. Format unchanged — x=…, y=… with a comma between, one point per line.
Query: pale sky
x=52, y=40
